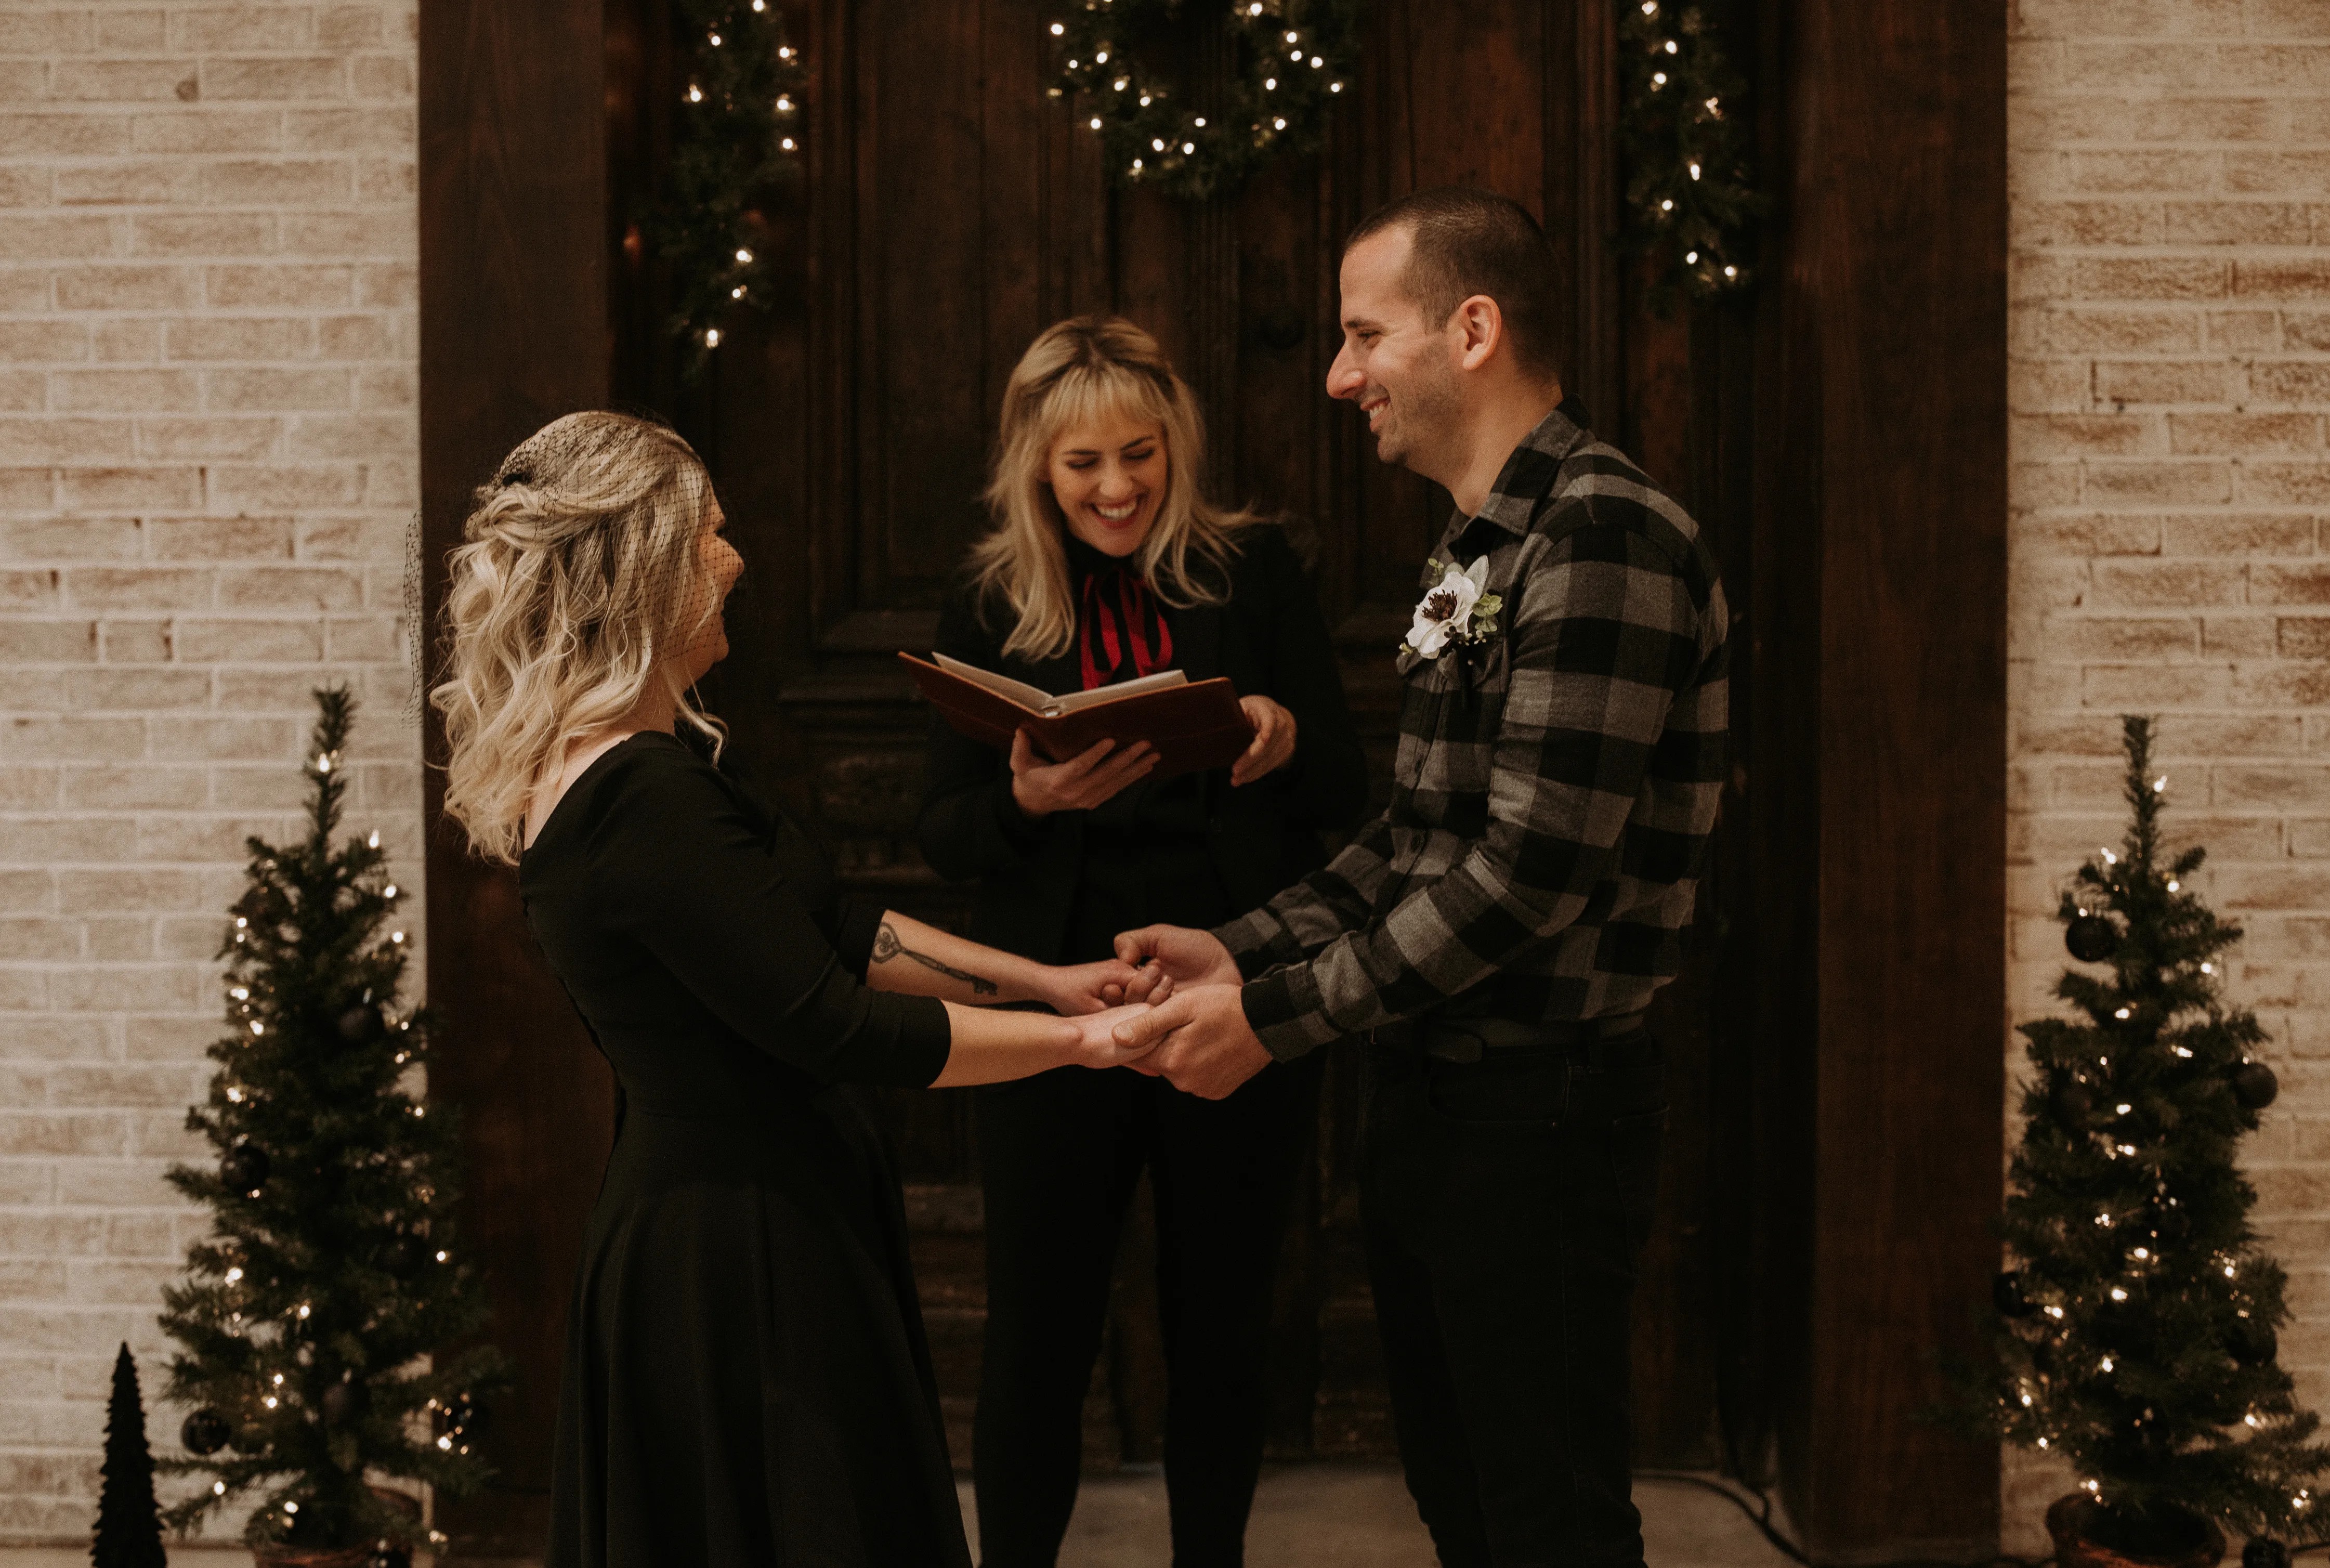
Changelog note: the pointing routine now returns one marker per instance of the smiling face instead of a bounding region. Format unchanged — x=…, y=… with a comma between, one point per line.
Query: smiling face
x=1399, y=368
x=722, y=566
x=1108, y=479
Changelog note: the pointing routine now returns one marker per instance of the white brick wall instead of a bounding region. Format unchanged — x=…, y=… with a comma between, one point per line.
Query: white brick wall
x=2170, y=320
x=207, y=459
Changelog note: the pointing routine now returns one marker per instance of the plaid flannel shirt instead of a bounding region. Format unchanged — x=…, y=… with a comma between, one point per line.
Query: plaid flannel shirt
x=1555, y=788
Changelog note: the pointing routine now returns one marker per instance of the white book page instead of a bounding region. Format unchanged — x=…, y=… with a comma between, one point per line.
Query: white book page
x=1160, y=681
x=1044, y=702
x=1019, y=691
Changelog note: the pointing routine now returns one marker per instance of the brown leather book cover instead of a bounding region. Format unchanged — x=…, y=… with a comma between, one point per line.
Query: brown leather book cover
x=1193, y=725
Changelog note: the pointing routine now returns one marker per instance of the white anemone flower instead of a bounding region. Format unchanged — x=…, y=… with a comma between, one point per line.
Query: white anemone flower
x=1445, y=612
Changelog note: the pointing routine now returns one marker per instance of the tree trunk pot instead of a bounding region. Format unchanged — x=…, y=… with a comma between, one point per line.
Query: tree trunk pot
x=2071, y=1520
x=311, y=1556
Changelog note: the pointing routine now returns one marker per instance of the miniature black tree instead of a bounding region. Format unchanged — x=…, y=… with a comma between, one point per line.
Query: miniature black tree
x=309, y=1318
x=2135, y=1338
x=129, y=1521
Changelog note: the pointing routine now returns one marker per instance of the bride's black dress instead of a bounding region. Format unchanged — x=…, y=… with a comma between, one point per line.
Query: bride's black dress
x=746, y=1380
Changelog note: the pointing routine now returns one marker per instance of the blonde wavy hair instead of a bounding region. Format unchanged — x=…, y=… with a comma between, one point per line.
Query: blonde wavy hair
x=1074, y=375
x=582, y=574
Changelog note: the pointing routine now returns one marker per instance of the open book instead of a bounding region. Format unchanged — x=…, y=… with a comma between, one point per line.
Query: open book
x=1194, y=725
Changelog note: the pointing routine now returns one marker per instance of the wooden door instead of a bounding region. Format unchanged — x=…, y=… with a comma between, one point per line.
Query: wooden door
x=950, y=212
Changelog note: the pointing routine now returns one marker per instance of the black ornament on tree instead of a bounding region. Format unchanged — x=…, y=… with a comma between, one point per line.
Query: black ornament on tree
x=2073, y=1103
x=2091, y=938
x=408, y=1254
x=344, y=1402
x=205, y=1432
x=362, y=1025
x=2251, y=1342
x=2254, y=1085
x=2265, y=1551
x=2007, y=1295
x=245, y=1168
x=2042, y=1359
x=388, y=1556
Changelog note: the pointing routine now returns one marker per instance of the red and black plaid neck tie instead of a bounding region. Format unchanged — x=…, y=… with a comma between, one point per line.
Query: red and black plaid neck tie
x=1128, y=625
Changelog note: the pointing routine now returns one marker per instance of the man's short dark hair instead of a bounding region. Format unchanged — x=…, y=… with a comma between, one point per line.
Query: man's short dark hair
x=1468, y=241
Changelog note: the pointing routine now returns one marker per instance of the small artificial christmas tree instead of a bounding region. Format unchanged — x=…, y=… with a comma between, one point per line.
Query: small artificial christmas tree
x=129, y=1521
x=2135, y=1339
x=307, y=1317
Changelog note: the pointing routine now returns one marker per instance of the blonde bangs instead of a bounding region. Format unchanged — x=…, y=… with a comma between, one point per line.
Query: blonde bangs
x=1075, y=376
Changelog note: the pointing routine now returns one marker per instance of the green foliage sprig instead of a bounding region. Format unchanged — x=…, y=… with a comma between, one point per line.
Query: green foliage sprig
x=734, y=141
x=1690, y=199
x=314, y=1320
x=2134, y=1337
x=1294, y=59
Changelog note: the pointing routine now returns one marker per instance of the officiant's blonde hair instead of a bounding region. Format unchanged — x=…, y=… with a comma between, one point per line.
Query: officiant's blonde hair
x=582, y=575
x=1074, y=375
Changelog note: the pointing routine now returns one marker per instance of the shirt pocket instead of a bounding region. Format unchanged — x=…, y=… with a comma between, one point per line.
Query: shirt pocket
x=1450, y=710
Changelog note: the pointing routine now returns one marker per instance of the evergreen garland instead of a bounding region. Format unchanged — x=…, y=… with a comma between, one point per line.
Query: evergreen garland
x=128, y=1523
x=732, y=143
x=2134, y=1337
x=1294, y=59
x=1690, y=200
x=308, y=1318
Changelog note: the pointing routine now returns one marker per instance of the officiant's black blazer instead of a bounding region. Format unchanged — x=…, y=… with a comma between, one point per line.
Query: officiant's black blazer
x=1269, y=638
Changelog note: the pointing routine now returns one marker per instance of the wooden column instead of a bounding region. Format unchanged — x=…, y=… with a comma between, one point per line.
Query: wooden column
x=1880, y=595
x=514, y=332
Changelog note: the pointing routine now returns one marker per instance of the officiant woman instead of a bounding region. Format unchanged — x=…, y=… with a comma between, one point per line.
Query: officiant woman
x=1107, y=561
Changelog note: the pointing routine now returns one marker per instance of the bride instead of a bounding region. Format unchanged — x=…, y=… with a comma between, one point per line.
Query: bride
x=746, y=1379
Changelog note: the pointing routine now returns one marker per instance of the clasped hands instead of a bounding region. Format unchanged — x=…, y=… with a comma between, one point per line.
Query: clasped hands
x=1170, y=1003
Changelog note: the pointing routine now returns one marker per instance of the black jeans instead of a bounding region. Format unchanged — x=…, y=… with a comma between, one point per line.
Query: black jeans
x=1504, y=1203
x=1061, y=1153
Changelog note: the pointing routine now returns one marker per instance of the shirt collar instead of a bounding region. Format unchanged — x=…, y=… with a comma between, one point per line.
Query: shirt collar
x=1530, y=471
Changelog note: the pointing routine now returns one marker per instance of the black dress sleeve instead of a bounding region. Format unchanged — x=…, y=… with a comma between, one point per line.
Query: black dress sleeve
x=1328, y=777
x=690, y=874
x=970, y=824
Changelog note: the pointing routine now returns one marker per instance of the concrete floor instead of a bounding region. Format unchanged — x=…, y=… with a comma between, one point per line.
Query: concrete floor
x=1304, y=1516
x=1360, y=1516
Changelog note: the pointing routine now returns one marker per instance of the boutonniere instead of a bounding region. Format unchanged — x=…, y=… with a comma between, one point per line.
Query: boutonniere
x=1454, y=610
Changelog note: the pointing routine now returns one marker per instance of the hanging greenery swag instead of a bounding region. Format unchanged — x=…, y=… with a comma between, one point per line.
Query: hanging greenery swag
x=733, y=142
x=1691, y=200
x=1293, y=58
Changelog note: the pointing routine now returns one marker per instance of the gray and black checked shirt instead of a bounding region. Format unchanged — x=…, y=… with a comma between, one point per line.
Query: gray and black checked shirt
x=1553, y=790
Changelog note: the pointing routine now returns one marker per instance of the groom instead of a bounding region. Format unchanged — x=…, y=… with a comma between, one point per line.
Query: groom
x=1498, y=931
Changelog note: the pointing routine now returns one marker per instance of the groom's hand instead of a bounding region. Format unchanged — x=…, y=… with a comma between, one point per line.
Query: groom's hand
x=1207, y=1048
x=1172, y=958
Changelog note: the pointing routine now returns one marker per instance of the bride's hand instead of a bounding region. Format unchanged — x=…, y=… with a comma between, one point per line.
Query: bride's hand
x=1072, y=989
x=1097, y=1044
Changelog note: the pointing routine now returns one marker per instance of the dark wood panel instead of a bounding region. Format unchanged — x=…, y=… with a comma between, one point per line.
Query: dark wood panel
x=513, y=332
x=1895, y=476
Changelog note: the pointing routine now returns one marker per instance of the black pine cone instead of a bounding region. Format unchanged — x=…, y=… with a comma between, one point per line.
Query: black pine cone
x=2073, y=1103
x=2265, y=1551
x=245, y=1168
x=362, y=1025
x=2251, y=1342
x=2007, y=1295
x=205, y=1432
x=2254, y=1085
x=2091, y=938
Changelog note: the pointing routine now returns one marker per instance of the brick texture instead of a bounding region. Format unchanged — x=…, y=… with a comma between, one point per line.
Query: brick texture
x=2169, y=170
x=207, y=450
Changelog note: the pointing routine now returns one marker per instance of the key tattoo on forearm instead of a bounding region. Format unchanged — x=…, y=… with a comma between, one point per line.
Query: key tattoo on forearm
x=887, y=947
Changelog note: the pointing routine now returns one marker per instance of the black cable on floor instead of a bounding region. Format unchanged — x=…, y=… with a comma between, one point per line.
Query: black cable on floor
x=1760, y=1516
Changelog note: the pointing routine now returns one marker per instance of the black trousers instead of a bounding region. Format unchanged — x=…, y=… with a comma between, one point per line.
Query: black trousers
x=1504, y=1202
x=1062, y=1151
